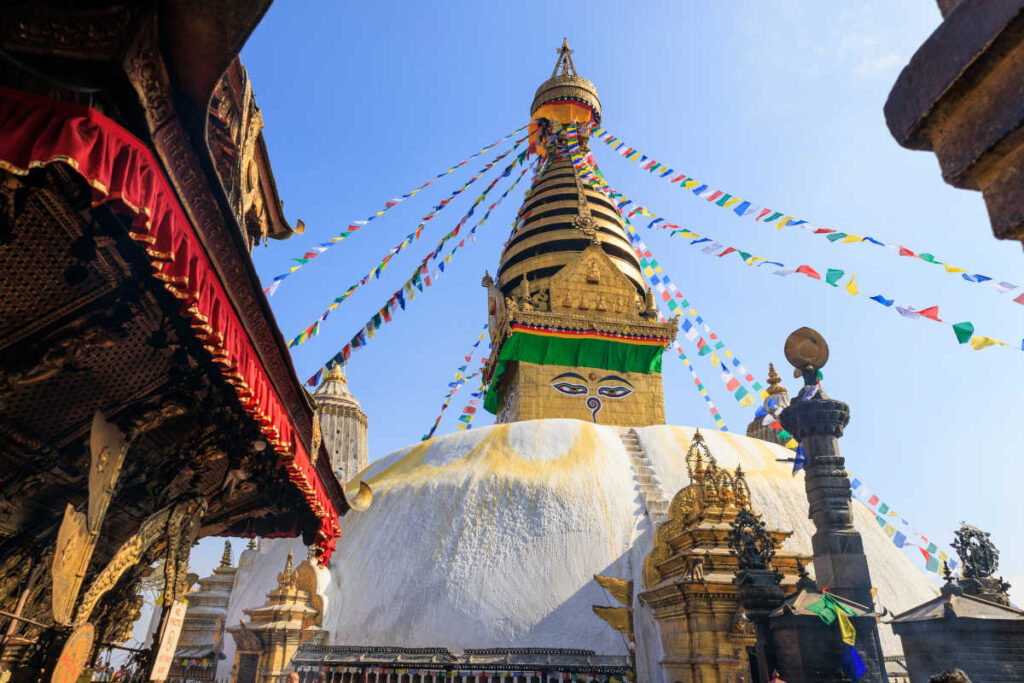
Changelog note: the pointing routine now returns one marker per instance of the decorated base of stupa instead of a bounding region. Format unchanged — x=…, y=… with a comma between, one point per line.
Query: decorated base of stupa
x=490, y=538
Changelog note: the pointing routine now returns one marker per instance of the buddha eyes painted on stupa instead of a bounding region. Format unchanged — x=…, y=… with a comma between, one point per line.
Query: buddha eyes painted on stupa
x=609, y=387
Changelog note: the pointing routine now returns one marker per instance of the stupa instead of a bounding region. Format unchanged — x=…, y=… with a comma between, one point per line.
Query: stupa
x=479, y=552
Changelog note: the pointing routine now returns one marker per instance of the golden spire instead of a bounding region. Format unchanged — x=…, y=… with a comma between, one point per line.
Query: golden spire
x=251, y=545
x=774, y=381
x=225, y=559
x=337, y=372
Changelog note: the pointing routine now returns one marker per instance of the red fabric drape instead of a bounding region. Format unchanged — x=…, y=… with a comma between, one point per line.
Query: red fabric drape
x=121, y=169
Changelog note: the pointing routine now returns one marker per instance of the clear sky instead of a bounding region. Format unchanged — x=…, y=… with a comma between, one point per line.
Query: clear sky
x=778, y=102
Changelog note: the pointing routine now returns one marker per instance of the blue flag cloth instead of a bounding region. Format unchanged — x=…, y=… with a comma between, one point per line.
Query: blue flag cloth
x=799, y=460
x=899, y=539
x=853, y=665
x=882, y=300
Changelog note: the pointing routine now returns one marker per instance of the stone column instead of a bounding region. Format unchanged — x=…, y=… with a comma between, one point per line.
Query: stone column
x=840, y=565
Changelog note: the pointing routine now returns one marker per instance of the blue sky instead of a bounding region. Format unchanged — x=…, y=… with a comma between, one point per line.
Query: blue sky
x=778, y=102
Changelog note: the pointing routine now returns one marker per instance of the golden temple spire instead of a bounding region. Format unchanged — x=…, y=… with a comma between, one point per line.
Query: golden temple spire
x=251, y=545
x=774, y=381
x=225, y=559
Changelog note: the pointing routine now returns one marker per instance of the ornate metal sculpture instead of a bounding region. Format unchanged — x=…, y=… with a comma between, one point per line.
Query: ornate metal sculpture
x=978, y=555
x=750, y=542
x=980, y=559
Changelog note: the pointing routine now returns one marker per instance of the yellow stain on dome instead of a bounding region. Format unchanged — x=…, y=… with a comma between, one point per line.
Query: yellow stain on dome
x=496, y=456
x=492, y=474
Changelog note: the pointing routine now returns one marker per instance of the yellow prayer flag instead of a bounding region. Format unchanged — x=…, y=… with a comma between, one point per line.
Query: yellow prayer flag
x=951, y=269
x=981, y=342
x=747, y=400
x=853, y=238
x=731, y=202
x=846, y=629
x=785, y=221
x=852, y=287
x=764, y=394
x=792, y=444
x=714, y=358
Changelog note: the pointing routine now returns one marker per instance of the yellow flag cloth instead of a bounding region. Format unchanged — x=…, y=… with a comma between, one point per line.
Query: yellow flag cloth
x=852, y=287
x=980, y=342
x=846, y=629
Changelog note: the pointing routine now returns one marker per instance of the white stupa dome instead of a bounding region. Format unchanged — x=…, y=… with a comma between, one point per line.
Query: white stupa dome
x=491, y=538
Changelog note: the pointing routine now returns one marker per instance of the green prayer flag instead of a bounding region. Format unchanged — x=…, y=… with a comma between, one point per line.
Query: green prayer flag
x=883, y=508
x=744, y=255
x=926, y=257
x=835, y=236
x=833, y=275
x=783, y=434
x=963, y=331
x=827, y=606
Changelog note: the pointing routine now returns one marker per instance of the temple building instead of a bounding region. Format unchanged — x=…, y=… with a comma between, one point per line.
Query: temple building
x=776, y=401
x=477, y=560
x=147, y=397
x=201, y=642
x=342, y=425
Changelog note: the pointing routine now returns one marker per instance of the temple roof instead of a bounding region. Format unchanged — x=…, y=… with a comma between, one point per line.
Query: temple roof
x=957, y=605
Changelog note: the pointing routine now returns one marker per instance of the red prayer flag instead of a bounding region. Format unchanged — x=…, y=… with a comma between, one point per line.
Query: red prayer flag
x=906, y=252
x=809, y=272
x=728, y=250
x=931, y=312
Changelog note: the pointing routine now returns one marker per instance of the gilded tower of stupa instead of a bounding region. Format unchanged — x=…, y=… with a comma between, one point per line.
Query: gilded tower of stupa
x=574, y=332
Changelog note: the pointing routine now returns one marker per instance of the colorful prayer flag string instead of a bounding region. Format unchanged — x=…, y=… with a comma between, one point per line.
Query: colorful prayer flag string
x=454, y=386
x=964, y=331
x=421, y=277
x=469, y=411
x=314, y=329
x=744, y=208
x=390, y=204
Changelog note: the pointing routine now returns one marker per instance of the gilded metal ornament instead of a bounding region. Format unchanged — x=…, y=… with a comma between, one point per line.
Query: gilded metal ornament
x=70, y=560
x=73, y=657
x=806, y=350
x=107, y=447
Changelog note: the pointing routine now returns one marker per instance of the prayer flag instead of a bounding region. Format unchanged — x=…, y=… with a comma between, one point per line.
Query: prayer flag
x=963, y=331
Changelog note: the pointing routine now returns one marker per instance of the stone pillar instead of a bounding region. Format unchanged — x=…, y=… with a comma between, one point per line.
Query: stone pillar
x=817, y=422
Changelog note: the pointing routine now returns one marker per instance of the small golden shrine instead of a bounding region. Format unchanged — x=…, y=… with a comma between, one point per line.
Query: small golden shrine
x=688, y=575
x=292, y=615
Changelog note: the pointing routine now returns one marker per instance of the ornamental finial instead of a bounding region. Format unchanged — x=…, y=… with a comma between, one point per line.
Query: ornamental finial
x=225, y=559
x=774, y=381
x=564, y=61
x=807, y=352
